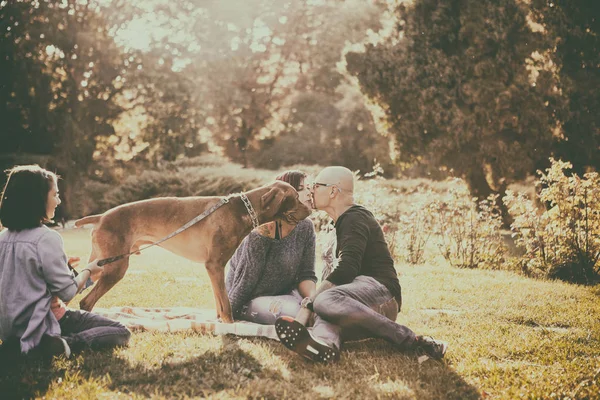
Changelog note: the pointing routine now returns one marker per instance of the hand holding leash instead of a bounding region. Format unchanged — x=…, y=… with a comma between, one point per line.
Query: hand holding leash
x=73, y=262
x=84, y=281
x=94, y=267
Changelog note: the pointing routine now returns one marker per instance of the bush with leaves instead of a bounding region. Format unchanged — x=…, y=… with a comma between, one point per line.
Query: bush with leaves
x=562, y=241
x=415, y=229
x=372, y=192
x=195, y=177
x=469, y=231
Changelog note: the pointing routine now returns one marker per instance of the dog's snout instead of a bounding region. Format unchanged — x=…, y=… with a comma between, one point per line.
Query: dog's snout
x=303, y=211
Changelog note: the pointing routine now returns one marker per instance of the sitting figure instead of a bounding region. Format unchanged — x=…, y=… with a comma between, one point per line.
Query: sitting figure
x=360, y=297
x=35, y=279
x=273, y=269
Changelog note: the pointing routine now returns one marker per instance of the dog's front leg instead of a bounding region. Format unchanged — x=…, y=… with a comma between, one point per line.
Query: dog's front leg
x=216, y=272
x=112, y=274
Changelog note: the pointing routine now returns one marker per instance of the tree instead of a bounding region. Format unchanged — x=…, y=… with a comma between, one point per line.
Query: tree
x=165, y=117
x=456, y=81
x=573, y=32
x=67, y=90
x=246, y=69
x=327, y=121
x=59, y=83
x=306, y=137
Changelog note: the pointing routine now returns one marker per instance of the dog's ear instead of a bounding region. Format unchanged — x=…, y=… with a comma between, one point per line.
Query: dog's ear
x=287, y=204
x=272, y=199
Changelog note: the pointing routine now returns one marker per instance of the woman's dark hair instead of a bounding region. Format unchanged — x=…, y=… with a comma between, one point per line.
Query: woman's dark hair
x=293, y=177
x=25, y=196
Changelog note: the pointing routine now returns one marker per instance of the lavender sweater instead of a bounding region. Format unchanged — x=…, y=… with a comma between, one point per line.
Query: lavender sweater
x=33, y=268
x=262, y=266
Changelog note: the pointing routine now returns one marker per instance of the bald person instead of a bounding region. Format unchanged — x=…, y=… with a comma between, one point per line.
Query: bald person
x=360, y=297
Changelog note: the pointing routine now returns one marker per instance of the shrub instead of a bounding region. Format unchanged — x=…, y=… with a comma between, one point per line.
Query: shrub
x=204, y=160
x=147, y=185
x=469, y=231
x=89, y=198
x=415, y=229
x=562, y=241
x=372, y=192
x=194, y=178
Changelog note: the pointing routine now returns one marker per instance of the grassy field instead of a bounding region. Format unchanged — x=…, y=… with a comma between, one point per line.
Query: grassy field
x=510, y=337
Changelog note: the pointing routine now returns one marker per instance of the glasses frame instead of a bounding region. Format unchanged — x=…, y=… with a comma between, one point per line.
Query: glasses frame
x=314, y=185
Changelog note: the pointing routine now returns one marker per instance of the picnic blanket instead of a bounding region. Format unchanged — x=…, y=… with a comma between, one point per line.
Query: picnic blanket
x=179, y=319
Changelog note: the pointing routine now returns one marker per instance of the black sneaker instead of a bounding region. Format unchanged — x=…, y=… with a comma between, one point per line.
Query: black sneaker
x=433, y=348
x=54, y=346
x=297, y=338
x=10, y=353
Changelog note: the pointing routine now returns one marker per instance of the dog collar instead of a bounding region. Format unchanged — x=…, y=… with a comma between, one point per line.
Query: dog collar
x=251, y=211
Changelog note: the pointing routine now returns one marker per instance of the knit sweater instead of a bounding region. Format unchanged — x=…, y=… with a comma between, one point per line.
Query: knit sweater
x=262, y=266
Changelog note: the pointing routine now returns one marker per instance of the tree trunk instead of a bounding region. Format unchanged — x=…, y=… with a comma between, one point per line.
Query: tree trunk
x=480, y=188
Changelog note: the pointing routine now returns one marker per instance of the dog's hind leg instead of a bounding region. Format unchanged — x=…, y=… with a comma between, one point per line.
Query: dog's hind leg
x=216, y=272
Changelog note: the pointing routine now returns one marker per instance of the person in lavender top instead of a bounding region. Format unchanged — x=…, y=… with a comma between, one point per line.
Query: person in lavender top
x=35, y=279
x=273, y=269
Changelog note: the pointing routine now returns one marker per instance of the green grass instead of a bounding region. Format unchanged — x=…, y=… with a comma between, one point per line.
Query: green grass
x=510, y=337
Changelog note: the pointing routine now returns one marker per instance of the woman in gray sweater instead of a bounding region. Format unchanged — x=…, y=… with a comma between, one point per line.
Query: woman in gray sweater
x=35, y=280
x=273, y=269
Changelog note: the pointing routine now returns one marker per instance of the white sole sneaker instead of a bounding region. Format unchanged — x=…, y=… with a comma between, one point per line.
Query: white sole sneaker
x=54, y=346
x=297, y=338
x=67, y=348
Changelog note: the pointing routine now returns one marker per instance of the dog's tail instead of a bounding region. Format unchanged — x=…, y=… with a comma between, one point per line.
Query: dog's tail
x=92, y=219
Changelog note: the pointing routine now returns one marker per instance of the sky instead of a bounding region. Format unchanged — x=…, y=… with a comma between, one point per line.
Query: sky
x=142, y=31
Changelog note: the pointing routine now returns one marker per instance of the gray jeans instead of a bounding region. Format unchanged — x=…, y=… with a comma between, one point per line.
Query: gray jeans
x=360, y=309
x=82, y=329
x=266, y=309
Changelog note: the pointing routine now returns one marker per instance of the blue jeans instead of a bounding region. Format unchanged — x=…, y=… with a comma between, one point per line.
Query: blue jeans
x=360, y=309
x=82, y=329
x=265, y=310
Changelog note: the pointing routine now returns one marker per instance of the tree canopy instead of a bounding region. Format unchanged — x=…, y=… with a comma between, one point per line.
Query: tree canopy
x=485, y=91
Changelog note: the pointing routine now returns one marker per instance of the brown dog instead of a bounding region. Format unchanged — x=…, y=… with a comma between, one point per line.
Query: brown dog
x=211, y=241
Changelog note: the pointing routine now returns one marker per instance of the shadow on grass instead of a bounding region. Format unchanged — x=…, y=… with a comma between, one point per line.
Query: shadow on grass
x=22, y=376
x=368, y=369
x=207, y=373
x=400, y=375
x=210, y=372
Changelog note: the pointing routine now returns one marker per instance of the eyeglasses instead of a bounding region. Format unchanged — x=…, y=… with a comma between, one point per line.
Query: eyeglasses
x=314, y=185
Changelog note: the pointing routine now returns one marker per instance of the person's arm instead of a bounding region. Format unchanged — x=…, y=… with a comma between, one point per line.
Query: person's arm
x=304, y=314
x=307, y=288
x=353, y=235
x=52, y=262
x=92, y=268
x=86, y=273
x=306, y=275
x=246, y=267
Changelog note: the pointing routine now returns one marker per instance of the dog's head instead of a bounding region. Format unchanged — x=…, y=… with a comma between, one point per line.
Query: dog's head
x=282, y=201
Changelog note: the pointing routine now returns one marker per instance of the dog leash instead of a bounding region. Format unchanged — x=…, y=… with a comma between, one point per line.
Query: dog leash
x=197, y=219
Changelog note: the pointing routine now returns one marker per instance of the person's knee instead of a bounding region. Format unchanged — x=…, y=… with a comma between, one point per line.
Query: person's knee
x=291, y=309
x=125, y=337
x=279, y=307
x=328, y=303
x=120, y=338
